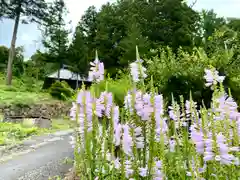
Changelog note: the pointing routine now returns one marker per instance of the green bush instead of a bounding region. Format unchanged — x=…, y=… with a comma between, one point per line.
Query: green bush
x=61, y=90
x=30, y=84
x=21, y=133
x=11, y=132
x=2, y=140
x=22, y=84
x=118, y=87
x=178, y=74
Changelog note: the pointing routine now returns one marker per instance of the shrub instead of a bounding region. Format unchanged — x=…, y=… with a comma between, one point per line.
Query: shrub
x=178, y=74
x=30, y=84
x=21, y=133
x=61, y=90
x=118, y=87
x=2, y=140
x=23, y=84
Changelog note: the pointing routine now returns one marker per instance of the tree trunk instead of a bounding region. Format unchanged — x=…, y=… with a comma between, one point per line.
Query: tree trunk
x=12, y=48
x=58, y=74
x=77, y=82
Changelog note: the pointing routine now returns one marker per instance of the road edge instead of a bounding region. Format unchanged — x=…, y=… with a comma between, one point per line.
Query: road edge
x=56, y=136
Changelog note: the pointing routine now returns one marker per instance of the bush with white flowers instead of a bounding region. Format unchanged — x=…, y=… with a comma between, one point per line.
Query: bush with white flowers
x=145, y=140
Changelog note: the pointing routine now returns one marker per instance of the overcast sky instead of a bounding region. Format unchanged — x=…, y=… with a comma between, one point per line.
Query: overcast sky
x=29, y=36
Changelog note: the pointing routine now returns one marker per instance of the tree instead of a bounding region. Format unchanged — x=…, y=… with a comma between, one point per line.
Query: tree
x=78, y=53
x=55, y=36
x=17, y=63
x=85, y=33
x=118, y=27
x=2, y=8
x=234, y=23
x=34, y=10
x=37, y=67
x=82, y=48
x=110, y=30
x=168, y=22
x=128, y=44
x=209, y=23
x=88, y=26
x=4, y=51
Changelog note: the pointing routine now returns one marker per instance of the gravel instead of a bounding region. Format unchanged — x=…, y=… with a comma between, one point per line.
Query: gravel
x=51, y=169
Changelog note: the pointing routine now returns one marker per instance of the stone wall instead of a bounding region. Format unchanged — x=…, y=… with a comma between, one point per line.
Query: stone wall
x=47, y=111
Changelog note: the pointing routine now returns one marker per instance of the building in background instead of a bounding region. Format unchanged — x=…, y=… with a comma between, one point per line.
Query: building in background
x=73, y=79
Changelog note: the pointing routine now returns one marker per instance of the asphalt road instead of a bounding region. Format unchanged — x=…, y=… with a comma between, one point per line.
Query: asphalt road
x=40, y=164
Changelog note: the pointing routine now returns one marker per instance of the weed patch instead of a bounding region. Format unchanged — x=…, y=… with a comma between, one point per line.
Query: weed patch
x=11, y=133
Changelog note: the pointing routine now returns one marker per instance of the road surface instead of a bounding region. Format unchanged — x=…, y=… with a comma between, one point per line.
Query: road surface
x=39, y=164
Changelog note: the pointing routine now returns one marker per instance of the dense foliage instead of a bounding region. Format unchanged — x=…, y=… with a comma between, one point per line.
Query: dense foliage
x=61, y=90
x=178, y=74
x=18, y=64
x=118, y=87
x=55, y=36
x=118, y=27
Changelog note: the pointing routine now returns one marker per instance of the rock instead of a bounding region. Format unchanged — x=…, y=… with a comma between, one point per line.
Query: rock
x=43, y=123
x=29, y=142
x=13, y=119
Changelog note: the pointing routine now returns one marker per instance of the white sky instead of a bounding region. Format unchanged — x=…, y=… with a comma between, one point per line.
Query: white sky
x=226, y=8
x=76, y=8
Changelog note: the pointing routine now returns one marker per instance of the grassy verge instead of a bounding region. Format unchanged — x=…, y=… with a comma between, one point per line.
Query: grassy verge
x=11, y=133
x=22, y=91
x=13, y=97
